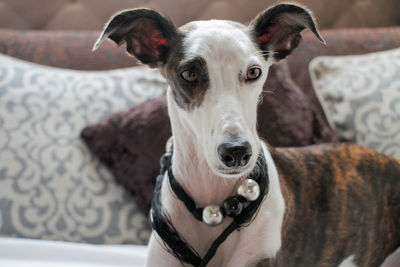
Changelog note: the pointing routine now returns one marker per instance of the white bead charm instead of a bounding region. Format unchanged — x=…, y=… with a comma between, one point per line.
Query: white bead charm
x=249, y=189
x=212, y=215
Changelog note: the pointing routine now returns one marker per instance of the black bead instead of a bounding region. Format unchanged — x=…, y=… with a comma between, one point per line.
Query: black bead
x=232, y=206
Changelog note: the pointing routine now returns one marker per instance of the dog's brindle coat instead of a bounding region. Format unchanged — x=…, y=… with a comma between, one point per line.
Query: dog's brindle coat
x=341, y=200
x=328, y=205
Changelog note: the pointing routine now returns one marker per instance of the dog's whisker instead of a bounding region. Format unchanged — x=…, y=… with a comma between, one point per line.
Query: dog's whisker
x=264, y=53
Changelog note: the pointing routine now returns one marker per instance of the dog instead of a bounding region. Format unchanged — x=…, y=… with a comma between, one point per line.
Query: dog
x=326, y=205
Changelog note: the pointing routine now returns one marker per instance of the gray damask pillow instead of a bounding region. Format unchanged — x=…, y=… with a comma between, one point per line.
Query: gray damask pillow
x=51, y=186
x=361, y=97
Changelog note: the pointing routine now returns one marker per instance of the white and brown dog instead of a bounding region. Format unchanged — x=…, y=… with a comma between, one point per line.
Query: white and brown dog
x=328, y=205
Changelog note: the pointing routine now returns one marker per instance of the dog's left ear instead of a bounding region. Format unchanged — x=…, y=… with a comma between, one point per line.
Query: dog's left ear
x=148, y=35
x=277, y=29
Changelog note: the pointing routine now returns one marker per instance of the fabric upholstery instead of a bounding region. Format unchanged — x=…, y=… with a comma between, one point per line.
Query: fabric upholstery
x=51, y=186
x=92, y=14
x=361, y=97
x=131, y=143
x=338, y=42
x=63, y=49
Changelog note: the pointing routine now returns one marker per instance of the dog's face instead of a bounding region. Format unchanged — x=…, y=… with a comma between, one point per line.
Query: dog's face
x=216, y=70
x=216, y=83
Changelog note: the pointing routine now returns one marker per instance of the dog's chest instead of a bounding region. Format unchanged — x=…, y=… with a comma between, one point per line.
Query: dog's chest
x=260, y=239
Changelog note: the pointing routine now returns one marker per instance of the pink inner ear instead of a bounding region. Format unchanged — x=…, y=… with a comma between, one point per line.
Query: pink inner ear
x=263, y=38
x=270, y=34
x=156, y=39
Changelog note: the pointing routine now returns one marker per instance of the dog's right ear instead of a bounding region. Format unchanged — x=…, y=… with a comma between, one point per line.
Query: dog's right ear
x=277, y=29
x=147, y=34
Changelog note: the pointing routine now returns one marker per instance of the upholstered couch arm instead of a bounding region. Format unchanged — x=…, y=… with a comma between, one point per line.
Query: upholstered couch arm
x=64, y=49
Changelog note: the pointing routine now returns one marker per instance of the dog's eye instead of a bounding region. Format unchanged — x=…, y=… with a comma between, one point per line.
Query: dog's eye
x=189, y=76
x=253, y=73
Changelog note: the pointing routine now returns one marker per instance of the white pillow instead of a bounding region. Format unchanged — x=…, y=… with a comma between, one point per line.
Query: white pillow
x=361, y=97
x=51, y=186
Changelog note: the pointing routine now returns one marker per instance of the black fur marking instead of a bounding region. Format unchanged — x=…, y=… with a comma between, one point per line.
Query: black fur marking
x=187, y=95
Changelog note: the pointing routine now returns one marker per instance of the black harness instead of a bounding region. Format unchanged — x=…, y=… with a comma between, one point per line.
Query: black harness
x=173, y=241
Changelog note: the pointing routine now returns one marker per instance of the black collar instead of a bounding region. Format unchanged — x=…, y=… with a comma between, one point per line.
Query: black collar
x=173, y=241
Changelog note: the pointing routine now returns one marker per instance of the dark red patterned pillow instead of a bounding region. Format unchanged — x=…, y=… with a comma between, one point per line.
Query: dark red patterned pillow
x=130, y=143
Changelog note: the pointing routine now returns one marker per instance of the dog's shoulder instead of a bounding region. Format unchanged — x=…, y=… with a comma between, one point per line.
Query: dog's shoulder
x=339, y=166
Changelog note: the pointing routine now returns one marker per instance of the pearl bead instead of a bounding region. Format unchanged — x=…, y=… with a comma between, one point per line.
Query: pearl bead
x=249, y=189
x=212, y=215
x=232, y=206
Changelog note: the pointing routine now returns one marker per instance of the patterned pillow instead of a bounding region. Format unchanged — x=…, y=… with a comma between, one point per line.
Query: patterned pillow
x=361, y=97
x=51, y=186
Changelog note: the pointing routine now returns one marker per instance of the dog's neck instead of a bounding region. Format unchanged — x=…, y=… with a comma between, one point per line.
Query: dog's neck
x=190, y=167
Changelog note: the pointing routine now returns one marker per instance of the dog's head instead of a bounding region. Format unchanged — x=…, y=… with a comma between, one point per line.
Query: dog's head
x=216, y=70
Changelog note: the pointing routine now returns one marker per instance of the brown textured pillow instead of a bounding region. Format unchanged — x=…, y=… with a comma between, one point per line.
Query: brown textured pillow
x=130, y=143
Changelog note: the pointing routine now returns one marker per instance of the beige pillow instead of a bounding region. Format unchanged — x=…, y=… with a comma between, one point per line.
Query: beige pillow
x=51, y=186
x=361, y=97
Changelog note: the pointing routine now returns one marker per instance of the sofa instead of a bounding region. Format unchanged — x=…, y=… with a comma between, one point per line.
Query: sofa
x=91, y=199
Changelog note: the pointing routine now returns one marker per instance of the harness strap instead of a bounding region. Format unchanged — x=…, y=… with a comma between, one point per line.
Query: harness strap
x=174, y=243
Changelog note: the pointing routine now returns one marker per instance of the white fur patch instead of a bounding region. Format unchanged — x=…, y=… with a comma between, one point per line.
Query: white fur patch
x=348, y=262
x=230, y=101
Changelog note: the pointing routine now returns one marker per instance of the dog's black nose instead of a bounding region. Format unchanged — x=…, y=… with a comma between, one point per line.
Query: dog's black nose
x=235, y=154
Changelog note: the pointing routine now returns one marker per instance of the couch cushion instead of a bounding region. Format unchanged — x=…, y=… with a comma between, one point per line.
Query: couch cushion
x=131, y=143
x=338, y=42
x=51, y=186
x=361, y=97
